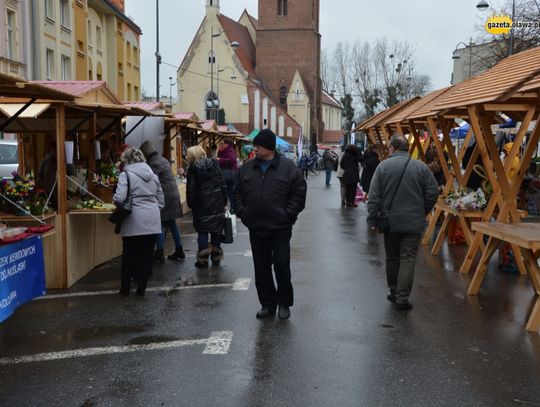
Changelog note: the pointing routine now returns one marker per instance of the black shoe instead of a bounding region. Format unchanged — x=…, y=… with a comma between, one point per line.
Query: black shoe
x=391, y=296
x=404, y=306
x=158, y=257
x=265, y=313
x=284, y=312
x=177, y=255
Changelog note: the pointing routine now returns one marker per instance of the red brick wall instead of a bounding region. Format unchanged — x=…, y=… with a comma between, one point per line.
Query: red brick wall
x=287, y=43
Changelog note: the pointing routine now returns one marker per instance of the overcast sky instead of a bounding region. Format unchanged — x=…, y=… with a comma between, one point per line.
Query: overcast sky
x=435, y=27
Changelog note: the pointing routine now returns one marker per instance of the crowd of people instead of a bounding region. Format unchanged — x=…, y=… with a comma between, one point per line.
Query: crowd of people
x=267, y=193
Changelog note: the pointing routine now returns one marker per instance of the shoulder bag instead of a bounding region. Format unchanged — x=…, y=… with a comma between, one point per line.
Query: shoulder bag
x=123, y=211
x=382, y=222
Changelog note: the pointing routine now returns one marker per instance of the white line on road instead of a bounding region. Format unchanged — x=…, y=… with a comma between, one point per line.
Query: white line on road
x=217, y=344
x=240, y=284
x=245, y=254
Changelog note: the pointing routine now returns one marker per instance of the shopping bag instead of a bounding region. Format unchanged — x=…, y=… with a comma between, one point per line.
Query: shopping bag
x=359, y=194
x=227, y=233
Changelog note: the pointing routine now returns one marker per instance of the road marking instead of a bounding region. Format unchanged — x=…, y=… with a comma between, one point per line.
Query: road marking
x=245, y=254
x=240, y=284
x=196, y=234
x=217, y=344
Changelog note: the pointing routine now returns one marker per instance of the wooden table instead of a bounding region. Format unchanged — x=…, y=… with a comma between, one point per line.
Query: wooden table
x=464, y=218
x=524, y=235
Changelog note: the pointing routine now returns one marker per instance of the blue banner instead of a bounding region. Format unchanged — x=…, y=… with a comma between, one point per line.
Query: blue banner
x=22, y=274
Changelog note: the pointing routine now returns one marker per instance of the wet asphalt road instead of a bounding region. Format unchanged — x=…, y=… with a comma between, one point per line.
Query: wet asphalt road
x=343, y=346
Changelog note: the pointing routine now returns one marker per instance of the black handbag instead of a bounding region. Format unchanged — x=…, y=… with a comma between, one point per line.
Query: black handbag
x=382, y=223
x=227, y=235
x=123, y=211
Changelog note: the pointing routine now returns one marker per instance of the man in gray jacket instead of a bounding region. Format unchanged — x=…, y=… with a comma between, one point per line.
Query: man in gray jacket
x=415, y=197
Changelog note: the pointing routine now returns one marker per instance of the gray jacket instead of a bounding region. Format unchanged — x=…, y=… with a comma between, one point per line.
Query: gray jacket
x=147, y=200
x=162, y=168
x=415, y=198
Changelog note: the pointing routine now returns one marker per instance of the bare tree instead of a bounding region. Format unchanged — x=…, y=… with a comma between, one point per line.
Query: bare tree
x=325, y=71
x=341, y=63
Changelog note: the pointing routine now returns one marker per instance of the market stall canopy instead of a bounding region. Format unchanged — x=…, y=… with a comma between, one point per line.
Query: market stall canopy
x=15, y=87
x=84, y=91
x=516, y=73
x=152, y=107
x=382, y=117
x=417, y=109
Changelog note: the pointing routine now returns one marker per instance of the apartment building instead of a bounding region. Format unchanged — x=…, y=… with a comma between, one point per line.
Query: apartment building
x=72, y=40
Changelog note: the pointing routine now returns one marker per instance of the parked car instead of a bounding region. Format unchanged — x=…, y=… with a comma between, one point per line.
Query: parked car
x=9, y=158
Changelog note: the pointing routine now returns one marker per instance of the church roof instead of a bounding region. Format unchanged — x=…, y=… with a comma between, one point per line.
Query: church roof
x=328, y=99
x=237, y=32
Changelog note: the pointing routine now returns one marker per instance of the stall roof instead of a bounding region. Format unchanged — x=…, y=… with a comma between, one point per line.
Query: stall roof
x=107, y=108
x=89, y=91
x=15, y=87
x=496, y=84
x=150, y=106
x=385, y=115
x=209, y=125
x=419, y=108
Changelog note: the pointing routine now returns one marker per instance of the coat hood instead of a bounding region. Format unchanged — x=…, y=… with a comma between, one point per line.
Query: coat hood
x=143, y=170
x=204, y=164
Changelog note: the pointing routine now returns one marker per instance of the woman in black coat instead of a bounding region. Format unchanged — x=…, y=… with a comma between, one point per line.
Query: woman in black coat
x=207, y=198
x=351, y=176
x=371, y=161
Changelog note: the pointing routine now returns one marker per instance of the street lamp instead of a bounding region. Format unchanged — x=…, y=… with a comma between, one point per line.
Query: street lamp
x=483, y=5
x=232, y=77
x=456, y=56
x=171, y=84
x=234, y=45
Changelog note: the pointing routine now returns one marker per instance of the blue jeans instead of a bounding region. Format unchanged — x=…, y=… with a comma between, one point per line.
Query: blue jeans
x=202, y=240
x=171, y=224
x=328, y=176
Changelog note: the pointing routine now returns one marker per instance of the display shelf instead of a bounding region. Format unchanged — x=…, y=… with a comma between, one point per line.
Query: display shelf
x=8, y=217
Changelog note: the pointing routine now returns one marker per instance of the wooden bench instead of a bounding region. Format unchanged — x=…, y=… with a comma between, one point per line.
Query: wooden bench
x=526, y=236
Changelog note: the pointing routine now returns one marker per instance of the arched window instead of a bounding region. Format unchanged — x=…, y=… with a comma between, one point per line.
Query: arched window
x=211, y=106
x=282, y=92
x=282, y=7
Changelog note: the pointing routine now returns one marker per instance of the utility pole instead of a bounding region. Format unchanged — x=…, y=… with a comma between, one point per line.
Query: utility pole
x=158, y=56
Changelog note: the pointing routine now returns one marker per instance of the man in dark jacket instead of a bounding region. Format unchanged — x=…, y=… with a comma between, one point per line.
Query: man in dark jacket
x=171, y=211
x=270, y=193
x=415, y=197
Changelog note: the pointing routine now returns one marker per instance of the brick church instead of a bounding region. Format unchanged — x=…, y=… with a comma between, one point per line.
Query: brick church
x=262, y=73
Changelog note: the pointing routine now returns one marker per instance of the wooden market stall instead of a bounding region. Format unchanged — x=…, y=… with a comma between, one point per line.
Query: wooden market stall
x=84, y=238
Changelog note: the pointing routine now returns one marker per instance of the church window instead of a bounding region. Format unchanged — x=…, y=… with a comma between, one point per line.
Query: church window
x=282, y=7
x=212, y=106
x=283, y=95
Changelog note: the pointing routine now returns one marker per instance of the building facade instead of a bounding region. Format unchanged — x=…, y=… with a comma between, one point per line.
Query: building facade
x=469, y=61
x=224, y=68
x=14, y=29
x=72, y=40
x=289, y=48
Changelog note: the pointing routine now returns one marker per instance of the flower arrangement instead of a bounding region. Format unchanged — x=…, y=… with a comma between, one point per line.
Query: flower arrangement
x=107, y=175
x=461, y=200
x=20, y=189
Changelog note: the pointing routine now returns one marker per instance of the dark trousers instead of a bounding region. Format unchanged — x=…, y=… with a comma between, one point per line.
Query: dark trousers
x=401, y=250
x=350, y=193
x=137, y=254
x=231, y=194
x=274, y=250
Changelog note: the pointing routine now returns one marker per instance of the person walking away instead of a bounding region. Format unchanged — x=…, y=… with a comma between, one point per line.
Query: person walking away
x=303, y=165
x=328, y=160
x=229, y=166
x=351, y=176
x=140, y=229
x=407, y=190
x=270, y=194
x=171, y=211
x=207, y=197
x=369, y=165
x=339, y=175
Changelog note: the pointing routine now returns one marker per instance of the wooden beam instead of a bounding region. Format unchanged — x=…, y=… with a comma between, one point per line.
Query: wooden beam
x=61, y=188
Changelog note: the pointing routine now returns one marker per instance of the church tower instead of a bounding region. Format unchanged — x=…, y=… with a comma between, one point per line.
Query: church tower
x=288, y=40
